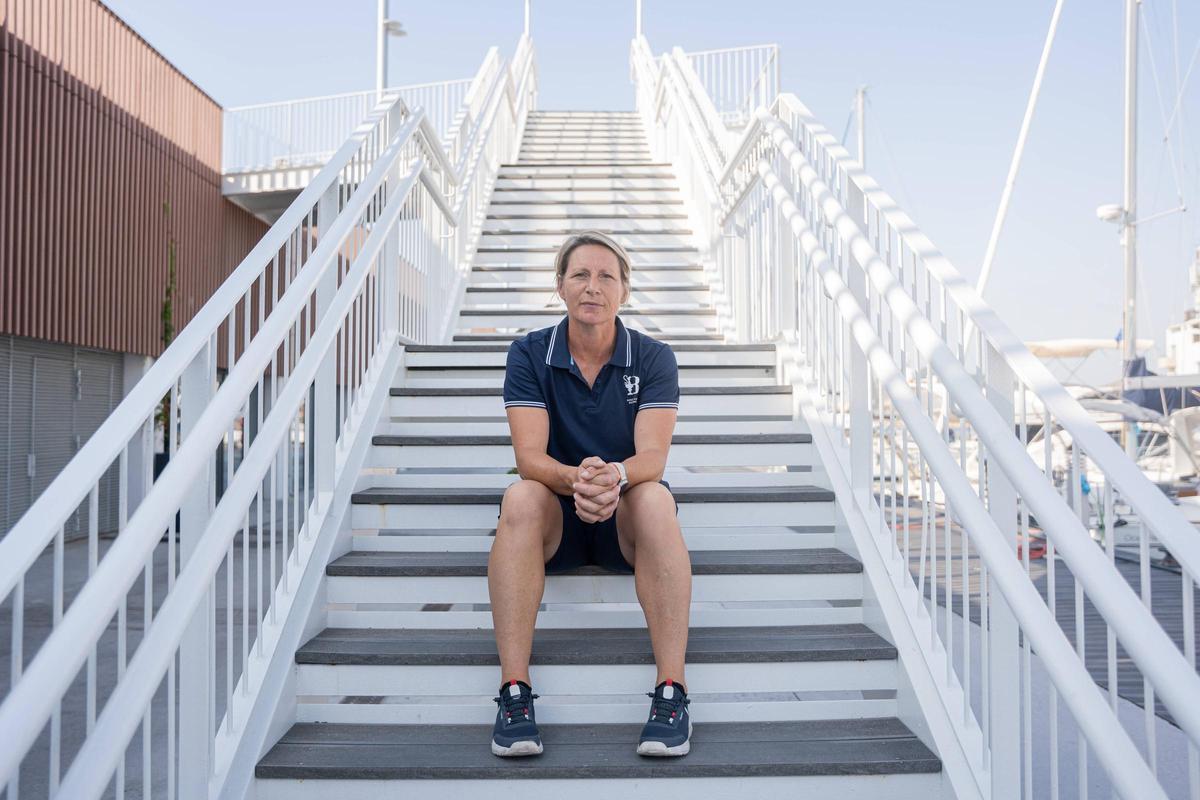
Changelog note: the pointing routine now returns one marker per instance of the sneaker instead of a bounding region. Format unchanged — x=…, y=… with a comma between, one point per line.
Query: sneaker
x=515, y=732
x=668, y=732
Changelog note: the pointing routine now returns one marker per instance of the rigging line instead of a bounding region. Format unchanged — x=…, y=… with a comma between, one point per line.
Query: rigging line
x=846, y=130
x=887, y=151
x=1186, y=76
x=1161, y=108
x=1014, y=166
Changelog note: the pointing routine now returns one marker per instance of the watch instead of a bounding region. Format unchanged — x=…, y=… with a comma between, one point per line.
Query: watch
x=621, y=470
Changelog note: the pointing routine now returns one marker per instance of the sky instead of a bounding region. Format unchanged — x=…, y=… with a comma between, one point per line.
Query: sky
x=947, y=87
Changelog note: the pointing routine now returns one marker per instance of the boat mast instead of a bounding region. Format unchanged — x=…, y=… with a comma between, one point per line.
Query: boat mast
x=1129, y=219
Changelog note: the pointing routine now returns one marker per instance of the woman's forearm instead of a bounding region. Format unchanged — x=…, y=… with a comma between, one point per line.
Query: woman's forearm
x=549, y=472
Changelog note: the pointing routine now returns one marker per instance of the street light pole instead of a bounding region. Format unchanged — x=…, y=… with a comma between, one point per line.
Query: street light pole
x=1129, y=218
x=381, y=48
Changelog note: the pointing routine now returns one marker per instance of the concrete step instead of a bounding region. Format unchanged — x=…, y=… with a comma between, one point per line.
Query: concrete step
x=777, y=537
x=388, y=508
x=459, y=427
x=584, y=195
x=566, y=224
x=707, y=707
x=677, y=239
x=861, y=759
x=564, y=662
x=648, y=317
x=695, y=400
x=740, y=575
x=668, y=335
x=541, y=253
x=542, y=294
x=495, y=355
x=584, y=172
x=515, y=203
x=533, y=150
x=584, y=140
x=587, y=182
x=687, y=450
x=867, y=759
x=572, y=161
x=595, y=646
x=612, y=214
x=695, y=373
x=542, y=271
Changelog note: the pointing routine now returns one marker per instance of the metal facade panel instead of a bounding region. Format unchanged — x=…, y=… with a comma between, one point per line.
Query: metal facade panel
x=107, y=153
x=53, y=397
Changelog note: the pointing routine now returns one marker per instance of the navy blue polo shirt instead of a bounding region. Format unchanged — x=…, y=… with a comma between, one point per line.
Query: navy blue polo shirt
x=595, y=421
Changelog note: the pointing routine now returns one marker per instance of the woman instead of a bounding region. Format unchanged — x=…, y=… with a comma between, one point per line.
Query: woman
x=591, y=406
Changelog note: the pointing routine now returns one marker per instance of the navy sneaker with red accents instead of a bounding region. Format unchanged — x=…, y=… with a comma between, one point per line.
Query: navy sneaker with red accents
x=515, y=732
x=668, y=732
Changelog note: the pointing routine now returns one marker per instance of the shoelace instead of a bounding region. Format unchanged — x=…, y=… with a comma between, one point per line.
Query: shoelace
x=664, y=708
x=518, y=706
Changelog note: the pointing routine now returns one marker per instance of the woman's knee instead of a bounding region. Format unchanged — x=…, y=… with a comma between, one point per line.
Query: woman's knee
x=650, y=496
x=527, y=505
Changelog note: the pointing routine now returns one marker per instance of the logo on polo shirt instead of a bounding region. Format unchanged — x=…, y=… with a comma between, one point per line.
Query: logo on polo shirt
x=632, y=383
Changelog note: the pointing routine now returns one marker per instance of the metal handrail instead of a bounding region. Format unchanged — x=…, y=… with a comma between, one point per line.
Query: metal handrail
x=1142, y=636
x=1087, y=704
x=36, y=528
x=1170, y=526
x=374, y=198
x=748, y=172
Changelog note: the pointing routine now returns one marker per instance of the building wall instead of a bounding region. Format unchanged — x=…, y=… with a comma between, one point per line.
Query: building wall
x=107, y=154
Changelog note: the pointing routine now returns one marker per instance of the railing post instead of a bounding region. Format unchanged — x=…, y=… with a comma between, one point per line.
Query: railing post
x=857, y=374
x=1003, y=649
x=196, y=647
x=325, y=383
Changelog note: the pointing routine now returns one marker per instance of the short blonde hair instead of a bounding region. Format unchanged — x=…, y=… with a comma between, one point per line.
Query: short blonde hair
x=590, y=237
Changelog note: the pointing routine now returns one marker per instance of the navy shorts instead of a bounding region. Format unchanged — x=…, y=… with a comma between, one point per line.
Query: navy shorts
x=588, y=543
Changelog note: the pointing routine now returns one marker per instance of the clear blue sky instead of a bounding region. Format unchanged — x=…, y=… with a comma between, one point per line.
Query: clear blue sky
x=948, y=84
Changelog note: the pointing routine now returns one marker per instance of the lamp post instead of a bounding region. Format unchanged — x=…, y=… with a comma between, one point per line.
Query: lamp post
x=383, y=29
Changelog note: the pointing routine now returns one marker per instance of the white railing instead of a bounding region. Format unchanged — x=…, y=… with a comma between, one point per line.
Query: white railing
x=920, y=427
x=306, y=132
x=369, y=254
x=738, y=79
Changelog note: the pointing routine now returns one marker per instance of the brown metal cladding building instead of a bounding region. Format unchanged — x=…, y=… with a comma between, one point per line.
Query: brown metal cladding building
x=107, y=155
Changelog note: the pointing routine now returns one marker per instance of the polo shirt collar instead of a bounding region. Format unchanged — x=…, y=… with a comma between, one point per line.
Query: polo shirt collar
x=559, y=355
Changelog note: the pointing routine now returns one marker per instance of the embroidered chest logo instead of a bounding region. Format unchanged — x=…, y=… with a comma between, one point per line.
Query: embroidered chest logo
x=632, y=383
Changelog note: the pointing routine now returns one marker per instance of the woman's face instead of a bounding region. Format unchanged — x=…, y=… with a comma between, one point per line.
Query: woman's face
x=591, y=285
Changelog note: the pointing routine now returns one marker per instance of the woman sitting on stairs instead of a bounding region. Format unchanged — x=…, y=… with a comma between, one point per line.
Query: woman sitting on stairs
x=591, y=406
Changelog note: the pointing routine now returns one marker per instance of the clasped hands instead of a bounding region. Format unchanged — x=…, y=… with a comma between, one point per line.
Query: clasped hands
x=596, y=489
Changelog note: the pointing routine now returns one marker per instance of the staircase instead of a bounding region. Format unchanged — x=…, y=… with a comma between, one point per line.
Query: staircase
x=851, y=476
x=793, y=695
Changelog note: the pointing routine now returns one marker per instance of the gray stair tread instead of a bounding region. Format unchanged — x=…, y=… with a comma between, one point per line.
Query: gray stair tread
x=878, y=746
x=453, y=495
x=623, y=215
x=497, y=391
x=607, y=646
x=502, y=348
x=584, y=176
x=457, y=564
x=550, y=268
x=689, y=367
x=508, y=337
x=638, y=287
x=496, y=202
x=632, y=249
x=598, y=162
x=390, y=440
x=521, y=308
x=565, y=232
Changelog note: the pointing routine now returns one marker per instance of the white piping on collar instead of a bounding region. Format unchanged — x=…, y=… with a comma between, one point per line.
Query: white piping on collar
x=553, y=336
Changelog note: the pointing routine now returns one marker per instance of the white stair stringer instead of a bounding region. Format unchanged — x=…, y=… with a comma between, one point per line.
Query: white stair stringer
x=796, y=685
